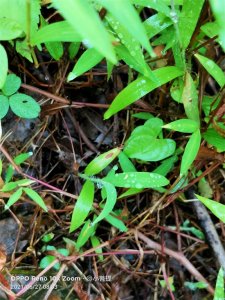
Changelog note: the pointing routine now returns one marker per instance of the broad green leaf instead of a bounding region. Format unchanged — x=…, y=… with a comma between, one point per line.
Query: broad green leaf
x=65, y=33
x=212, y=68
x=126, y=14
x=12, y=84
x=190, y=152
x=183, y=125
x=188, y=20
x=83, y=205
x=85, y=20
x=166, y=166
x=55, y=49
x=140, y=87
x=219, y=290
x=9, y=29
x=216, y=208
x=4, y=104
x=95, y=242
x=155, y=24
x=176, y=90
x=137, y=180
x=190, y=98
x=9, y=186
x=111, y=197
x=125, y=164
x=147, y=148
x=88, y=60
x=101, y=161
x=218, y=8
x=13, y=198
x=19, y=159
x=86, y=232
x=152, y=127
x=214, y=138
x=158, y=5
x=47, y=260
x=209, y=104
x=24, y=106
x=3, y=66
x=36, y=198
x=211, y=29
x=114, y=221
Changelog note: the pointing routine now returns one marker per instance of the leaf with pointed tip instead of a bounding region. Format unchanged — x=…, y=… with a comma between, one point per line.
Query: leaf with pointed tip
x=140, y=87
x=86, y=231
x=13, y=198
x=36, y=198
x=190, y=152
x=183, y=125
x=83, y=205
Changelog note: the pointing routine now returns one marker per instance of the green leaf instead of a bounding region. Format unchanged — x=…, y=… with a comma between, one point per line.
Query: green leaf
x=101, y=161
x=219, y=290
x=55, y=49
x=176, y=90
x=190, y=152
x=214, y=138
x=86, y=231
x=9, y=29
x=24, y=106
x=137, y=180
x=190, y=98
x=65, y=33
x=24, y=182
x=218, y=8
x=193, y=286
x=3, y=66
x=73, y=49
x=183, y=125
x=166, y=166
x=212, y=68
x=12, y=84
x=216, y=208
x=114, y=221
x=188, y=20
x=36, y=198
x=130, y=192
x=47, y=260
x=143, y=116
x=126, y=14
x=83, y=205
x=125, y=163
x=13, y=198
x=48, y=237
x=147, y=148
x=19, y=159
x=4, y=104
x=156, y=23
x=95, y=242
x=88, y=60
x=111, y=197
x=63, y=251
x=140, y=87
x=9, y=186
x=88, y=24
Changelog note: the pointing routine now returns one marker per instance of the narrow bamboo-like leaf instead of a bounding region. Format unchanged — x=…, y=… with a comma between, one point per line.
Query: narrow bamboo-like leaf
x=140, y=87
x=88, y=60
x=9, y=186
x=212, y=68
x=190, y=152
x=166, y=166
x=36, y=198
x=55, y=49
x=188, y=20
x=214, y=138
x=4, y=104
x=125, y=163
x=95, y=243
x=216, y=208
x=101, y=161
x=158, y=5
x=86, y=231
x=65, y=33
x=219, y=290
x=83, y=205
x=183, y=125
x=85, y=20
x=111, y=197
x=116, y=222
x=73, y=49
x=155, y=24
x=190, y=98
x=126, y=14
x=3, y=66
x=19, y=159
x=13, y=198
x=137, y=180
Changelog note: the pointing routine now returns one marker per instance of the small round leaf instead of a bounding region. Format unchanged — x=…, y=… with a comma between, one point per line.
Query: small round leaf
x=4, y=104
x=24, y=106
x=12, y=84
